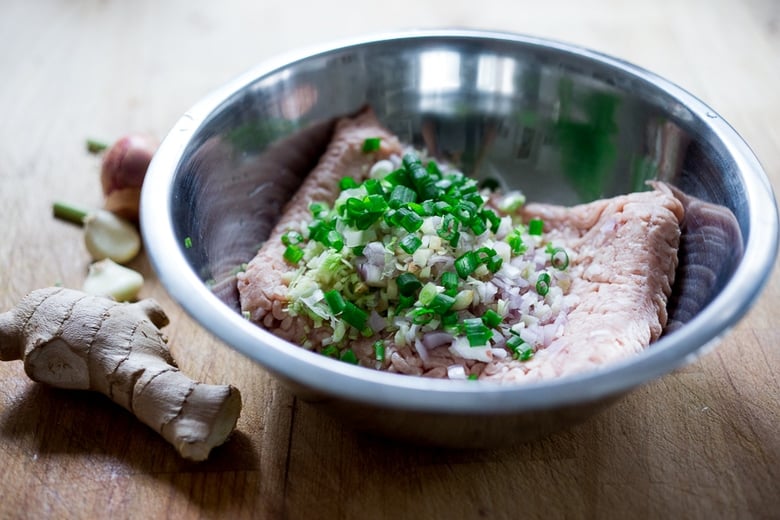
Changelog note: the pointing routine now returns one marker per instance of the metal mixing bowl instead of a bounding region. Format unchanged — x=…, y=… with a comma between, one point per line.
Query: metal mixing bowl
x=562, y=123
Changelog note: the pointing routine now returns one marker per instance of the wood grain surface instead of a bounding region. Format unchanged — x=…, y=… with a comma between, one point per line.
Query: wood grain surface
x=702, y=442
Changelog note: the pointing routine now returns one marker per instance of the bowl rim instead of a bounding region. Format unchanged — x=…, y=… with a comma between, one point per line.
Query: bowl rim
x=336, y=379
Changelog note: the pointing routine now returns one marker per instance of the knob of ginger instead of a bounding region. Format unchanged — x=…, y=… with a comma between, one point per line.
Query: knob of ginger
x=70, y=339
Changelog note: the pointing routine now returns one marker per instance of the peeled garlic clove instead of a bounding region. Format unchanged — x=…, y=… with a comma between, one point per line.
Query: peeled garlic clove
x=107, y=278
x=109, y=236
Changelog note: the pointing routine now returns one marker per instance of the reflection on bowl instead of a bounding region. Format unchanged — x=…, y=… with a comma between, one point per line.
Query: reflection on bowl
x=564, y=124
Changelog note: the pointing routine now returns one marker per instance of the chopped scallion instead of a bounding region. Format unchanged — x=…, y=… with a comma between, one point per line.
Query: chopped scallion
x=318, y=209
x=410, y=220
x=466, y=264
x=401, y=195
x=428, y=293
x=330, y=351
x=422, y=315
x=408, y=284
x=535, y=226
x=293, y=254
x=354, y=315
x=543, y=284
x=379, y=350
x=441, y=303
x=559, y=258
x=95, y=146
x=410, y=243
x=292, y=238
x=348, y=356
x=335, y=301
x=476, y=332
x=491, y=318
x=449, y=281
x=347, y=183
x=371, y=144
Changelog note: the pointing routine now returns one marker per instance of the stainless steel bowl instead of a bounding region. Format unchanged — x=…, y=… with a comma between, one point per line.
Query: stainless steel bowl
x=563, y=123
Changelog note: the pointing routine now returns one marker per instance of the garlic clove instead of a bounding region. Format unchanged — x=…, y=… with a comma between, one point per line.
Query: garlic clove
x=108, y=236
x=107, y=278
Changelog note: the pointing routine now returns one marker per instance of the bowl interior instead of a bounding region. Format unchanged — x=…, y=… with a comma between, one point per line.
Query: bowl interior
x=563, y=124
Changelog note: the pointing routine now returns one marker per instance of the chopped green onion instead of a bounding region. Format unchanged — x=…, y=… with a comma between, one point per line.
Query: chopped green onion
x=335, y=240
x=187, y=242
x=494, y=263
x=379, y=350
x=476, y=332
x=401, y=195
x=491, y=318
x=318, y=231
x=410, y=220
x=559, y=258
x=94, y=146
x=485, y=253
x=449, y=281
x=375, y=203
x=404, y=302
x=449, y=319
x=292, y=238
x=347, y=183
x=354, y=315
x=472, y=377
x=428, y=293
x=422, y=315
x=543, y=284
x=441, y=303
x=330, y=351
x=318, y=209
x=515, y=241
x=465, y=211
x=374, y=187
x=443, y=208
x=535, y=226
x=449, y=229
x=478, y=226
x=417, y=208
x=424, y=183
x=433, y=168
x=513, y=342
x=466, y=264
x=398, y=177
x=410, y=243
x=371, y=144
x=354, y=207
x=490, y=216
x=293, y=254
x=519, y=348
x=526, y=354
x=335, y=301
x=408, y=284
x=349, y=356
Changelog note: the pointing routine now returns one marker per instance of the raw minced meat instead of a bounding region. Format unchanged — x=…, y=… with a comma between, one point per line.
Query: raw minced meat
x=589, y=288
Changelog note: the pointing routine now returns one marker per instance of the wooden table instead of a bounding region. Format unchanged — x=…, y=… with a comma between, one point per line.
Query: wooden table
x=702, y=442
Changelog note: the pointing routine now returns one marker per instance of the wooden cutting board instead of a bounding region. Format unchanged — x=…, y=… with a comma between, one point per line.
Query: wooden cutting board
x=702, y=442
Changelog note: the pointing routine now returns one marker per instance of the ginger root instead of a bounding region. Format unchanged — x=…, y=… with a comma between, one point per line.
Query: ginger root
x=70, y=339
